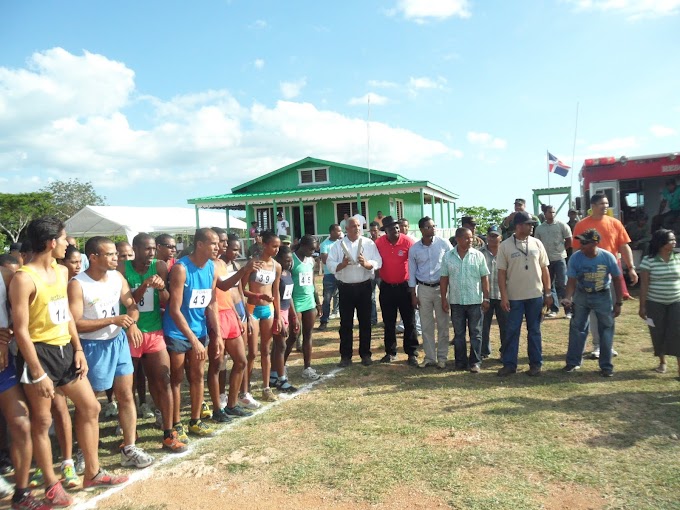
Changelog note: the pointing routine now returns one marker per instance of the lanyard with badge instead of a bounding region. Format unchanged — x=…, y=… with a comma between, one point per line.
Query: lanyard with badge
x=525, y=253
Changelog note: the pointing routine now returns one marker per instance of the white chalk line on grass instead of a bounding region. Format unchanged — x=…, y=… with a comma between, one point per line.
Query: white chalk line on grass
x=137, y=476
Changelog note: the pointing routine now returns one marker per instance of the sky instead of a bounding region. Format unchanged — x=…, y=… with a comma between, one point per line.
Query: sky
x=159, y=102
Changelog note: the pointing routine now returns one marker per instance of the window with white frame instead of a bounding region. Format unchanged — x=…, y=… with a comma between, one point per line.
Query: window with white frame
x=313, y=175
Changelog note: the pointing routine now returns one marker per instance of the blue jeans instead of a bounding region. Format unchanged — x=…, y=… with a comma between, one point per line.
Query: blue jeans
x=601, y=304
x=558, y=277
x=330, y=293
x=531, y=310
x=469, y=316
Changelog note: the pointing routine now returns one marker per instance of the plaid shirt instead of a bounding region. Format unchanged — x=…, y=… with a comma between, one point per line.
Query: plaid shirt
x=494, y=291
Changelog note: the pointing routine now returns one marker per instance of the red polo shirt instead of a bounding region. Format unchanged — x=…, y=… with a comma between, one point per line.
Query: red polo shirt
x=394, y=258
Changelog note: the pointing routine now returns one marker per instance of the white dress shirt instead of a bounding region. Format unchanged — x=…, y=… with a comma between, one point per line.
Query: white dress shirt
x=353, y=273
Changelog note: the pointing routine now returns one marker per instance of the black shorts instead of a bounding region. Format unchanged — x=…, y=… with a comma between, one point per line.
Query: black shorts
x=56, y=361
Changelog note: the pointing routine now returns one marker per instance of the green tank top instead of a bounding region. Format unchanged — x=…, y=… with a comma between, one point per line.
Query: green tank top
x=149, y=305
x=303, y=280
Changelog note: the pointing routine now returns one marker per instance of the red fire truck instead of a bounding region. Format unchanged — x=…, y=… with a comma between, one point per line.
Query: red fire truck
x=632, y=184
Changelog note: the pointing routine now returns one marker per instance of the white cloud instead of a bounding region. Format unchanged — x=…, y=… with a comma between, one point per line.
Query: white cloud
x=633, y=9
x=259, y=24
x=382, y=84
x=292, y=89
x=376, y=99
x=613, y=147
x=662, y=131
x=426, y=83
x=422, y=11
x=207, y=136
x=258, y=63
x=486, y=140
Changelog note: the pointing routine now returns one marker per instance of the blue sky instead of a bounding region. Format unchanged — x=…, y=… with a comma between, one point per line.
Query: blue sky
x=158, y=102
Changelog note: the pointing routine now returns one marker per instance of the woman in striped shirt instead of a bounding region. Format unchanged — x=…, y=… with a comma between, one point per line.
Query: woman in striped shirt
x=660, y=296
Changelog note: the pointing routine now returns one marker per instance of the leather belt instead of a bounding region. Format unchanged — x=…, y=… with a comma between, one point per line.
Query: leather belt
x=435, y=284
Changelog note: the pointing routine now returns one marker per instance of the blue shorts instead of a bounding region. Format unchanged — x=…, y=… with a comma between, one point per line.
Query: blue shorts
x=261, y=311
x=8, y=377
x=107, y=359
x=180, y=345
x=240, y=309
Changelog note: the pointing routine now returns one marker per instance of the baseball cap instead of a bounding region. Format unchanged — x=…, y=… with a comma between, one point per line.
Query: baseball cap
x=523, y=217
x=468, y=220
x=520, y=201
x=285, y=239
x=589, y=236
x=493, y=229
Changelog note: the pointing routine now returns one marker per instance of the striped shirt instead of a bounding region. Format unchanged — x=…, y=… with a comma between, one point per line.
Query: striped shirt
x=664, y=278
x=465, y=275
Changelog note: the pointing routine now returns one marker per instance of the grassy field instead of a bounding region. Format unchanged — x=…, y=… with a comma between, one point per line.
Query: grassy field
x=393, y=436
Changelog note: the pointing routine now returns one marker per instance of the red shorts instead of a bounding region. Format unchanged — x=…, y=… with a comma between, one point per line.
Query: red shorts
x=285, y=318
x=230, y=324
x=152, y=341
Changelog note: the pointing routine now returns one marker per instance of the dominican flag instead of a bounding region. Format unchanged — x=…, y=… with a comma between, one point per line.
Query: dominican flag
x=555, y=166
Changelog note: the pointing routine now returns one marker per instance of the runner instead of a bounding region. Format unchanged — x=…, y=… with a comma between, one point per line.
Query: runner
x=166, y=250
x=125, y=251
x=146, y=277
x=264, y=304
x=14, y=409
x=306, y=301
x=231, y=339
x=278, y=376
x=192, y=294
x=244, y=396
x=51, y=357
x=94, y=299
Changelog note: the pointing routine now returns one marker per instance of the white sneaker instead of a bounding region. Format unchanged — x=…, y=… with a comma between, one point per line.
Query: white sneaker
x=247, y=401
x=135, y=457
x=110, y=409
x=79, y=462
x=223, y=400
x=551, y=315
x=145, y=411
x=568, y=315
x=311, y=374
x=159, y=419
x=614, y=353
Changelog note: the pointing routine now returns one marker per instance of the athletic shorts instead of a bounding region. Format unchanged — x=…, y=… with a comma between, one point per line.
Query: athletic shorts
x=56, y=360
x=285, y=317
x=107, y=359
x=152, y=342
x=240, y=309
x=229, y=324
x=180, y=345
x=8, y=377
x=261, y=311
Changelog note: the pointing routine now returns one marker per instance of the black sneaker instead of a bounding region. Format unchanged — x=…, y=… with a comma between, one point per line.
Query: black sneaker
x=220, y=416
x=388, y=358
x=412, y=360
x=283, y=386
x=605, y=372
x=505, y=371
x=323, y=326
x=366, y=361
x=570, y=368
x=236, y=411
x=534, y=371
x=345, y=362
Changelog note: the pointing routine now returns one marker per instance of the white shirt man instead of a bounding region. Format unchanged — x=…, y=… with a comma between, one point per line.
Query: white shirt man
x=282, y=226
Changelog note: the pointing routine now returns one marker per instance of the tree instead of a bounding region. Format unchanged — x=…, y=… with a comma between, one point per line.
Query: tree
x=69, y=197
x=17, y=210
x=485, y=217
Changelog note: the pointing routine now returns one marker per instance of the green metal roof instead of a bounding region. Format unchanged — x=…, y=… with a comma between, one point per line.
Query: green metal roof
x=323, y=162
x=324, y=190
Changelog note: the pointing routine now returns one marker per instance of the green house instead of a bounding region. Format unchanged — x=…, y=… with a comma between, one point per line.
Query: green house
x=313, y=193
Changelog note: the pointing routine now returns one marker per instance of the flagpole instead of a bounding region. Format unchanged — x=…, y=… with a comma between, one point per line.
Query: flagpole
x=573, y=149
x=368, y=136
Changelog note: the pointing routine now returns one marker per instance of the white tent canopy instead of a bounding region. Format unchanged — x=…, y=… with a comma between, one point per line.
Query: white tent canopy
x=129, y=221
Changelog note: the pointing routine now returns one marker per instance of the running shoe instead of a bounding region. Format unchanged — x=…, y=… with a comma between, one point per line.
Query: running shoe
x=159, y=419
x=133, y=456
x=145, y=411
x=182, y=433
x=56, y=497
x=79, y=462
x=206, y=412
x=104, y=479
x=28, y=502
x=201, y=429
x=219, y=416
x=283, y=386
x=268, y=395
x=237, y=411
x=173, y=444
x=37, y=479
x=5, y=487
x=71, y=479
x=110, y=409
x=310, y=374
x=247, y=401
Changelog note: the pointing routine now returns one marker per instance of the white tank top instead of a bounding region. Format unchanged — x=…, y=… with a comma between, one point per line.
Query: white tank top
x=100, y=301
x=4, y=315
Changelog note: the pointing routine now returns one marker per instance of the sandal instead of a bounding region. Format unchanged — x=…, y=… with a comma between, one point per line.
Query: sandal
x=661, y=369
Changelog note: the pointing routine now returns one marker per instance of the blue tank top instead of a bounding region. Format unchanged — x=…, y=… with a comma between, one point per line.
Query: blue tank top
x=286, y=289
x=197, y=296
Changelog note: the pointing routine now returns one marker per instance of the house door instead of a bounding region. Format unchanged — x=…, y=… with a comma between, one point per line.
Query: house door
x=309, y=220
